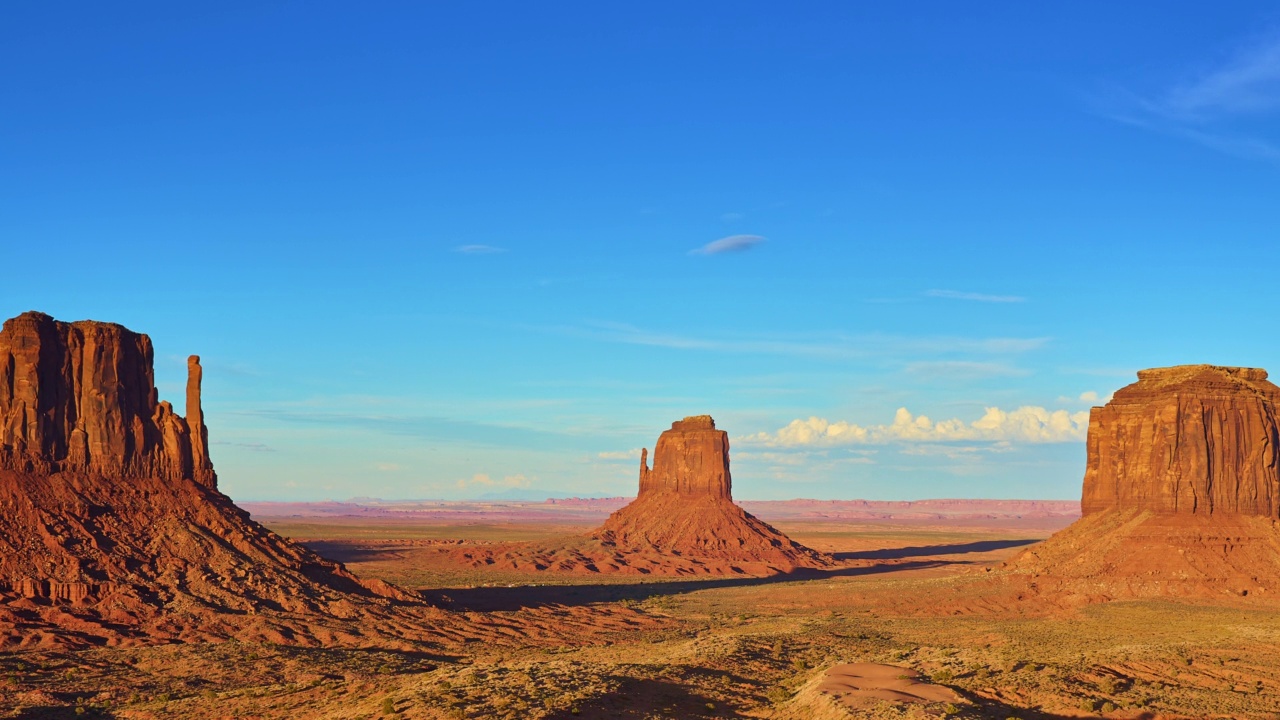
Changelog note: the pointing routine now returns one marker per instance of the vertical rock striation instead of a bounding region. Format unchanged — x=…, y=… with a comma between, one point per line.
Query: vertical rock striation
x=1180, y=498
x=692, y=459
x=81, y=397
x=1187, y=439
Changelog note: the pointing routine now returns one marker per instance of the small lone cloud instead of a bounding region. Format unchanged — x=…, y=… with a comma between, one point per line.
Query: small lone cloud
x=732, y=217
x=386, y=467
x=974, y=297
x=733, y=243
x=479, y=250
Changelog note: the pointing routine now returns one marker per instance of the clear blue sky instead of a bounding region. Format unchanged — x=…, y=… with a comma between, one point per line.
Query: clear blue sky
x=450, y=249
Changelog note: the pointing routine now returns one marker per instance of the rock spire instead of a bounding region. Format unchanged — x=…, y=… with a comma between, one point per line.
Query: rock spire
x=81, y=397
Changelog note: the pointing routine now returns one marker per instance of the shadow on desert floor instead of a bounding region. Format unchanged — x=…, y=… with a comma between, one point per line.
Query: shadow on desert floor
x=518, y=597
x=641, y=698
x=933, y=550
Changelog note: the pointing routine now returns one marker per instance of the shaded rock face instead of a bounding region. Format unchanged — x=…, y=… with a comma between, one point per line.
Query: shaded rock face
x=111, y=525
x=1196, y=439
x=685, y=509
x=81, y=397
x=692, y=459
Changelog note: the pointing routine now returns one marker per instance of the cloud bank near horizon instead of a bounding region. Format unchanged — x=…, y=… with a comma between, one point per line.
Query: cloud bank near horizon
x=1029, y=424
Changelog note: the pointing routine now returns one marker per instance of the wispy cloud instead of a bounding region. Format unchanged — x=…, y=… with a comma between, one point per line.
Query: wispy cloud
x=479, y=250
x=733, y=243
x=1025, y=424
x=828, y=346
x=974, y=297
x=254, y=446
x=620, y=455
x=1214, y=107
x=954, y=369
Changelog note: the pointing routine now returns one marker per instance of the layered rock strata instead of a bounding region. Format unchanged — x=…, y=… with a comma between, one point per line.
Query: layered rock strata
x=1187, y=439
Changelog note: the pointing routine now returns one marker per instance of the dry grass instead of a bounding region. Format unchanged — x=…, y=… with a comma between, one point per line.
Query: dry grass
x=716, y=649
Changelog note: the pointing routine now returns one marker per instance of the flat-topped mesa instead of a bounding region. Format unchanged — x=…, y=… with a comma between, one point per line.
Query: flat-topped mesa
x=1187, y=439
x=692, y=458
x=81, y=397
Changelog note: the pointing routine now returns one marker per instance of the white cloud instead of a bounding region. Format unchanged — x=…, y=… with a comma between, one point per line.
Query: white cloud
x=1210, y=108
x=479, y=250
x=1088, y=397
x=386, y=467
x=620, y=455
x=975, y=297
x=483, y=480
x=732, y=217
x=733, y=243
x=1025, y=424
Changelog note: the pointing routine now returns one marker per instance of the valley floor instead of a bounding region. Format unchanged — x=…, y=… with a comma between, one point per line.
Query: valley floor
x=736, y=647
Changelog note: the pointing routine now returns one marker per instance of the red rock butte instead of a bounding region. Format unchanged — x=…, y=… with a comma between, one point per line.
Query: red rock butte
x=1180, y=493
x=81, y=397
x=111, y=525
x=685, y=506
x=1187, y=439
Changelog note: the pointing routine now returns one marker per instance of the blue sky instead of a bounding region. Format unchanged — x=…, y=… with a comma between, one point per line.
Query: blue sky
x=440, y=251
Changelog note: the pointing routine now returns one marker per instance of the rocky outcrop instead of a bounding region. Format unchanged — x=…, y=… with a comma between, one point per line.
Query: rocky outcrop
x=1188, y=439
x=690, y=459
x=682, y=523
x=81, y=397
x=685, y=507
x=111, y=526
x=1180, y=496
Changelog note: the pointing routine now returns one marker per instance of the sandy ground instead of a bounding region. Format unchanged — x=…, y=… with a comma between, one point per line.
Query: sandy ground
x=707, y=648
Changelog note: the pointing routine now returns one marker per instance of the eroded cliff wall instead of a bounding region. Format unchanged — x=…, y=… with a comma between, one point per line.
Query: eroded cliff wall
x=81, y=397
x=1187, y=439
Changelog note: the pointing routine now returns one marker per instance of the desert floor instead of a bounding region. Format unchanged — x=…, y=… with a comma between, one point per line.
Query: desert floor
x=910, y=596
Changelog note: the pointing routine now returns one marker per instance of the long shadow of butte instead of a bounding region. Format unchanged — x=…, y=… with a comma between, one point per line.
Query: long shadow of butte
x=931, y=550
x=488, y=599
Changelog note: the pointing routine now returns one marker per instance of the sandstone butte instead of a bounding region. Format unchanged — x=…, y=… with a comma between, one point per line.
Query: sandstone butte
x=685, y=506
x=112, y=528
x=682, y=522
x=1181, y=492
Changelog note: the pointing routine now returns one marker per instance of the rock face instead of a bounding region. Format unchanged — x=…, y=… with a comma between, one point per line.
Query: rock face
x=1180, y=495
x=1188, y=439
x=685, y=507
x=111, y=526
x=692, y=459
x=81, y=397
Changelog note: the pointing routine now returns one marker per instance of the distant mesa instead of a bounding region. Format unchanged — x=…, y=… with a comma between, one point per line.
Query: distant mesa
x=111, y=526
x=683, y=522
x=1181, y=493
